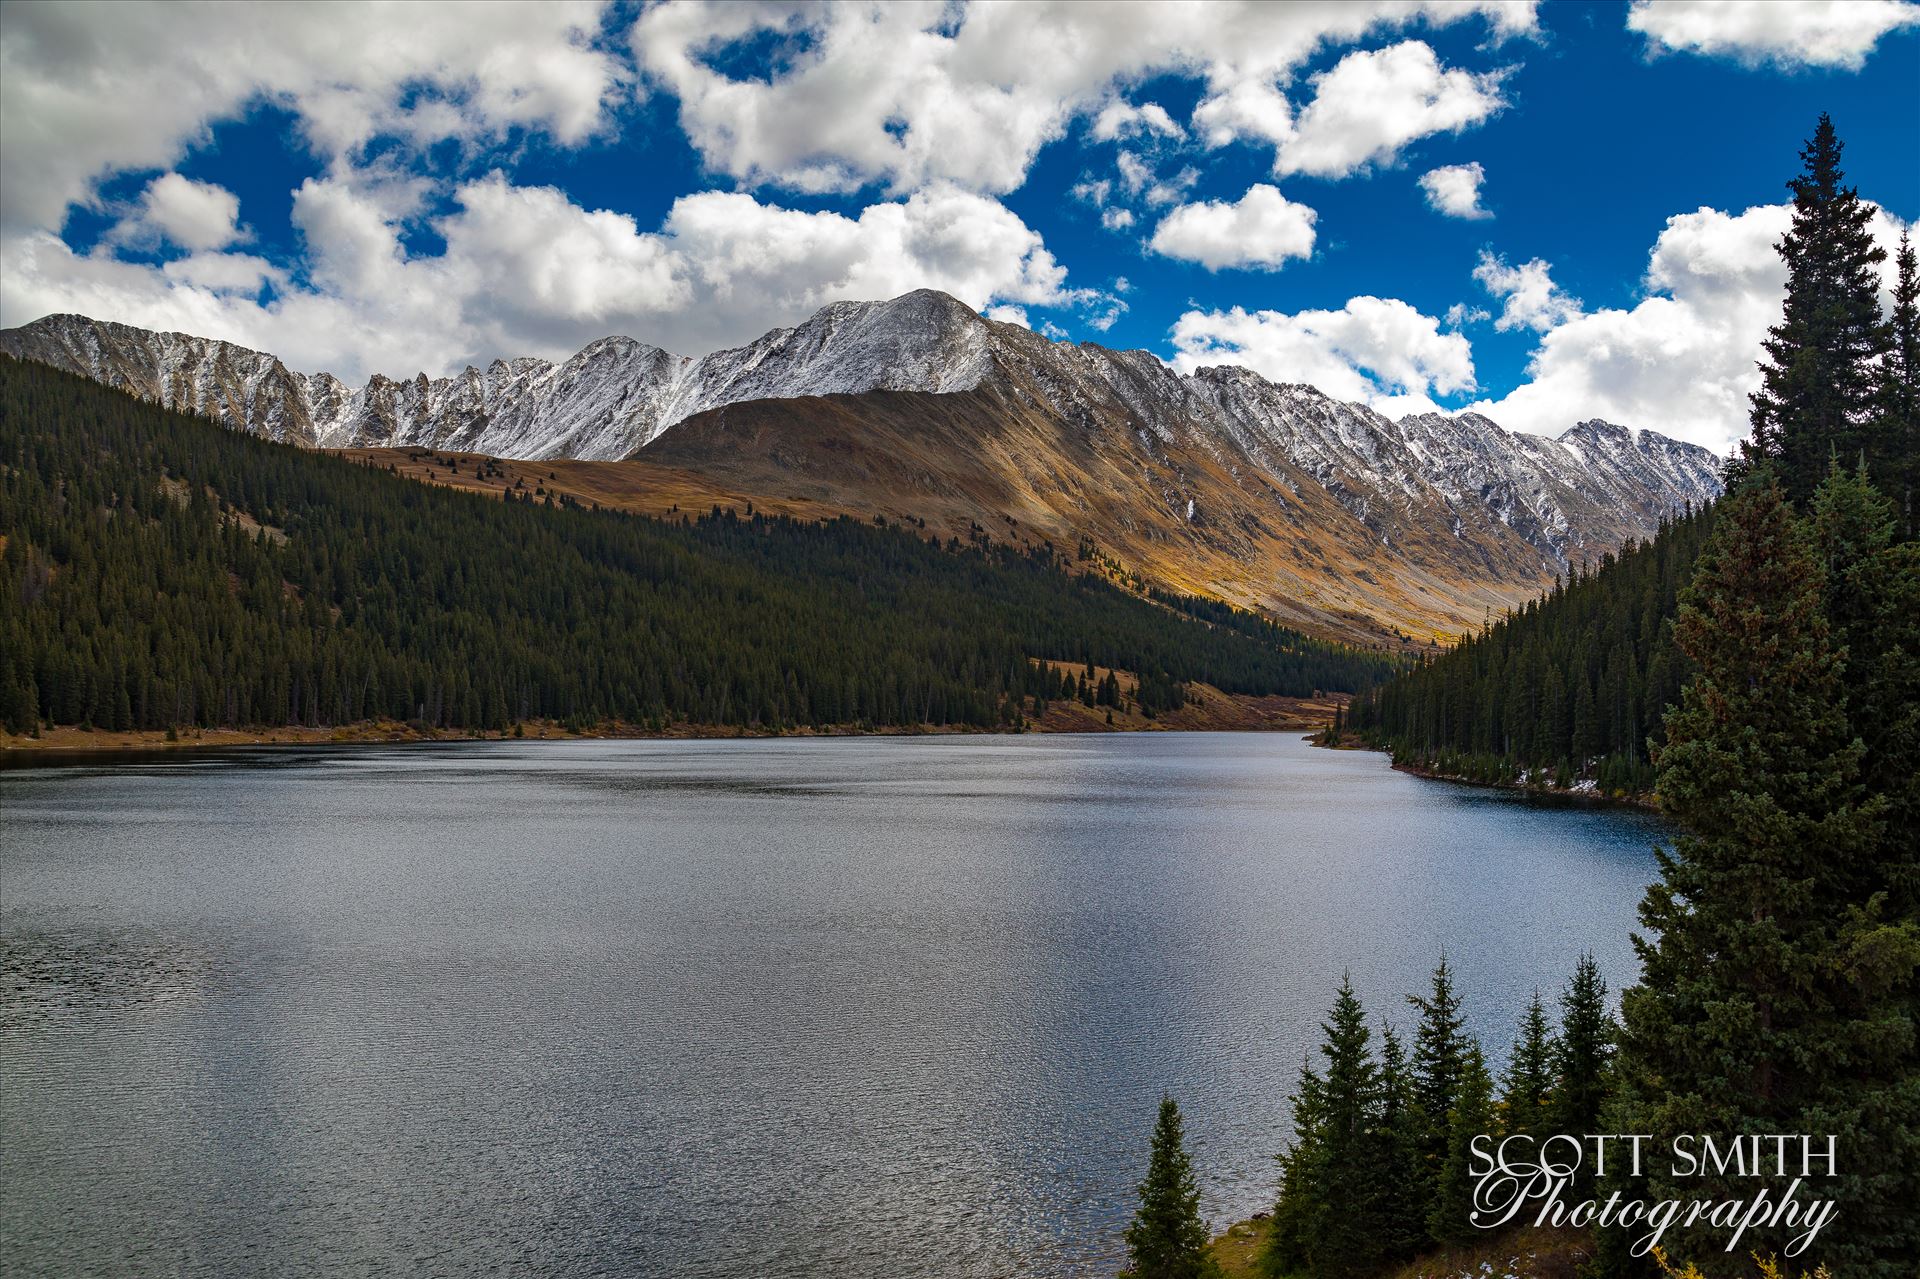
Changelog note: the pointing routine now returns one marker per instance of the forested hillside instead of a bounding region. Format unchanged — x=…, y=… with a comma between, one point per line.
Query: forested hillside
x=161, y=571
x=1573, y=688
x=1573, y=684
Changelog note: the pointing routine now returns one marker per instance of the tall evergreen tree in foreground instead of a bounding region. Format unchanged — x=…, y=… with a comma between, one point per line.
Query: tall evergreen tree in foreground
x=1402, y=1231
x=1820, y=380
x=1167, y=1239
x=1873, y=604
x=1583, y=1054
x=1781, y=985
x=1440, y=1046
x=1450, y=1219
x=1742, y=1006
x=1872, y=1070
x=1528, y=1086
x=1328, y=1222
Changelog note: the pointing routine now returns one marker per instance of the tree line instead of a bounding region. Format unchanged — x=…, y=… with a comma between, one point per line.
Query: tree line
x=162, y=571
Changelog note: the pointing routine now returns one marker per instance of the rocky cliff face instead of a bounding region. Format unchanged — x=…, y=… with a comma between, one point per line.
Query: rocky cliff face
x=1221, y=481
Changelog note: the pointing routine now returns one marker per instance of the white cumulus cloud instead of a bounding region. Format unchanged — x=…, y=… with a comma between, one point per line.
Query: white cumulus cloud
x=1684, y=359
x=905, y=94
x=1454, y=190
x=1252, y=109
x=1790, y=33
x=1380, y=351
x=1121, y=119
x=88, y=90
x=193, y=215
x=225, y=272
x=525, y=270
x=1375, y=101
x=1261, y=230
x=1533, y=300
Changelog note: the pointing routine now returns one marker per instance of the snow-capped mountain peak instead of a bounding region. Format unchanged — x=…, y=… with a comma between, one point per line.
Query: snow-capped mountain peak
x=617, y=395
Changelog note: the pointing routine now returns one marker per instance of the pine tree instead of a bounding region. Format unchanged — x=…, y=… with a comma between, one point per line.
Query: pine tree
x=1529, y=1083
x=1873, y=605
x=1899, y=432
x=1739, y=1010
x=1327, y=1222
x=1167, y=1239
x=1582, y=1058
x=1450, y=1220
x=1819, y=378
x=1871, y=1067
x=1439, y=1059
x=1298, y=1210
x=1403, y=1231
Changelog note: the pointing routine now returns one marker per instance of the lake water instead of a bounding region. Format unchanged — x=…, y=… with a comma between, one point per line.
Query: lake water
x=851, y=1008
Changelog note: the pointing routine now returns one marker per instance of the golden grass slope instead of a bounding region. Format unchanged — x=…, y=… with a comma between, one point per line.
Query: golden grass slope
x=1258, y=533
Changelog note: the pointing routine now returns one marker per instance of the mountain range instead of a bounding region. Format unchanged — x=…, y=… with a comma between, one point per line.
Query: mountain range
x=1269, y=495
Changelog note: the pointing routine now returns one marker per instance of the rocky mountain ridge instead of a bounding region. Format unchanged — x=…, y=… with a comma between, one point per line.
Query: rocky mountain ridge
x=1222, y=468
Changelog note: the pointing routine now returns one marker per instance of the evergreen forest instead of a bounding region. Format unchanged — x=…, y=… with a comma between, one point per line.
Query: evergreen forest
x=163, y=572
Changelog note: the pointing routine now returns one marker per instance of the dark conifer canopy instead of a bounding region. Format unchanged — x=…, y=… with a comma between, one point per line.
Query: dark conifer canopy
x=1820, y=375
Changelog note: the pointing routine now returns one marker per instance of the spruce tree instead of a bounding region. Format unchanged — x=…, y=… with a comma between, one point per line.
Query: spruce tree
x=1328, y=1218
x=1439, y=1058
x=1402, y=1229
x=1738, y=1014
x=1583, y=1051
x=1819, y=379
x=1298, y=1210
x=1900, y=389
x=1873, y=606
x=1871, y=1071
x=1450, y=1219
x=1167, y=1239
x=1529, y=1083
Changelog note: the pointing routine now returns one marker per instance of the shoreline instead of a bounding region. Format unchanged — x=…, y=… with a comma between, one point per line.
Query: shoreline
x=1571, y=798
x=74, y=744
x=1645, y=802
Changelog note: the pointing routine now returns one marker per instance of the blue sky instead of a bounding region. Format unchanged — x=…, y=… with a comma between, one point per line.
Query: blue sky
x=364, y=188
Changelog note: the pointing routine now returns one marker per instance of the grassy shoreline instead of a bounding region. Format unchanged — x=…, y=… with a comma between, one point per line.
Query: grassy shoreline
x=1525, y=1252
x=1208, y=710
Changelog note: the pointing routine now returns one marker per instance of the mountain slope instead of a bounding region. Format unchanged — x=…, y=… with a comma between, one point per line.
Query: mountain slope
x=158, y=570
x=1275, y=496
x=1575, y=683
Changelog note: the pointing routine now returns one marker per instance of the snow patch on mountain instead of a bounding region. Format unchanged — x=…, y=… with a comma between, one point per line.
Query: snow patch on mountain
x=617, y=395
